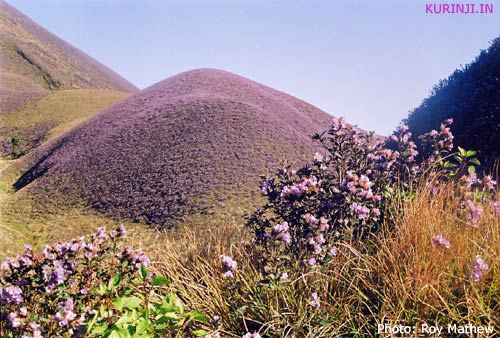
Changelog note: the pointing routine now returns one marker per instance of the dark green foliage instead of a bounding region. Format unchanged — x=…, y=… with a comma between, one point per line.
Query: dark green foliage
x=471, y=96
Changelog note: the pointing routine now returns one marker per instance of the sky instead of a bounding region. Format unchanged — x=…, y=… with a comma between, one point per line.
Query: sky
x=370, y=61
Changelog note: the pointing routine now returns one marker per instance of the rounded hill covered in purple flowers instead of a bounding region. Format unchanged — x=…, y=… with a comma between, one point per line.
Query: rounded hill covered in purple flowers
x=175, y=148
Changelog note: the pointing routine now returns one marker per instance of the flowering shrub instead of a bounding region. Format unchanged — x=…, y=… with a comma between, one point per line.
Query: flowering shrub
x=340, y=196
x=88, y=287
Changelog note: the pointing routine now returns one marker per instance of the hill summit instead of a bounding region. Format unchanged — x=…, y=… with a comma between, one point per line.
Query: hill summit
x=175, y=147
x=33, y=61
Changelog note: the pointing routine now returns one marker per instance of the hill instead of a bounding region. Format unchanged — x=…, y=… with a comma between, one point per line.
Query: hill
x=471, y=96
x=175, y=148
x=33, y=62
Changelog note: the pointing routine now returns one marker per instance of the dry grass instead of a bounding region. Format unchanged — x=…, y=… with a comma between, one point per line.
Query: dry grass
x=50, y=116
x=399, y=278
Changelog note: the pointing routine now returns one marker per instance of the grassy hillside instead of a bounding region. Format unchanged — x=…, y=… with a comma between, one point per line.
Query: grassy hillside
x=471, y=96
x=45, y=118
x=34, y=61
x=182, y=146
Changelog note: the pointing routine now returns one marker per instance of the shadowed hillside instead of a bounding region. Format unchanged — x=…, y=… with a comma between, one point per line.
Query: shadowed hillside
x=34, y=61
x=176, y=147
x=471, y=96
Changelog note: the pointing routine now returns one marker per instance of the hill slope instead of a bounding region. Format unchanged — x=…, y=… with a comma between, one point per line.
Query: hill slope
x=175, y=148
x=471, y=96
x=34, y=61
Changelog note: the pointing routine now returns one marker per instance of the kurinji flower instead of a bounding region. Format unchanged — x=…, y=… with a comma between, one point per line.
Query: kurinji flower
x=439, y=240
x=488, y=182
x=228, y=262
x=360, y=210
x=12, y=294
x=364, y=182
x=122, y=231
x=313, y=221
x=323, y=224
x=376, y=212
x=284, y=276
x=318, y=157
x=403, y=128
x=284, y=237
x=315, y=300
x=474, y=212
x=228, y=274
x=496, y=207
x=312, y=261
x=23, y=311
x=334, y=250
x=15, y=321
x=252, y=335
x=478, y=266
x=283, y=227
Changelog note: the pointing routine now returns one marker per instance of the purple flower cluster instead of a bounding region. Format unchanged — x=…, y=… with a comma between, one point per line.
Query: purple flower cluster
x=281, y=233
x=478, y=266
x=296, y=191
x=252, y=335
x=12, y=294
x=33, y=282
x=474, y=212
x=65, y=316
x=229, y=265
x=438, y=141
x=315, y=301
x=439, y=240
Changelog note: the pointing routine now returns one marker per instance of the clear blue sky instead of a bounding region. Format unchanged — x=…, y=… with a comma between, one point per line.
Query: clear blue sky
x=370, y=61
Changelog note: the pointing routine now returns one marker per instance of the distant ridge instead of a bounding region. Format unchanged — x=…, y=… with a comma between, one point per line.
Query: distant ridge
x=34, y=61
x=175, y=148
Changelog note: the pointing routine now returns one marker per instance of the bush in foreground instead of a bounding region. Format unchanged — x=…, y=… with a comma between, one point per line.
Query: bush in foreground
x=89, y=287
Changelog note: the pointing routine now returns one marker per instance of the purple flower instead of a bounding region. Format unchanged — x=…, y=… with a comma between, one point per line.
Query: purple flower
x=312, y=261
x=315, y=302
x=284, y=237
x=496, y=207
x=323, y=224
x=122, y=231
x=334, y=250
x=474, y=212
x=283, y=227
x=228, y=274
x=478, y=267
x=12, y=294
x=228, y=262
x=318, y=157
x=284, y=276
x=14, y=320
x=360, y=210
x=488, y=182
x=23, y=311
x=439, y=240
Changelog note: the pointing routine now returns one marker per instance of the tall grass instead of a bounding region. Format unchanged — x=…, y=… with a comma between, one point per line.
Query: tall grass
x=399, y=276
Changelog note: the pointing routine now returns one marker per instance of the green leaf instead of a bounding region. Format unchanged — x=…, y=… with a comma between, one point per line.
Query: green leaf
x=160, y=280
x=119, y=333
x=475, y=161
x=167, y=317
x=115, y=281
x=197, y=316
x=462, y=151
x=471, y=153
x=99, y=328
x=144, y=272
x=143, y=326
x=127, y=302
x=200, y=333
x=471, y=169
